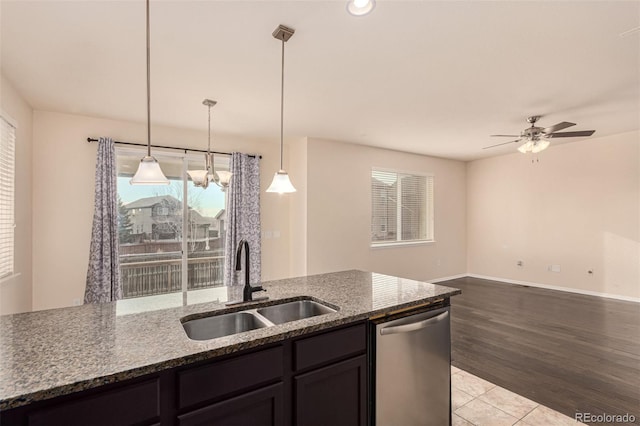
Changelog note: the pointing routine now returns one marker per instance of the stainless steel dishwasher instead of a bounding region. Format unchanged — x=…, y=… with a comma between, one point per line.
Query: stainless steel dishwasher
x=412, y=370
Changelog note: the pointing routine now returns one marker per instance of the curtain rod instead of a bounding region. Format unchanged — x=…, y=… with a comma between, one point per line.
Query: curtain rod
x=171, y=147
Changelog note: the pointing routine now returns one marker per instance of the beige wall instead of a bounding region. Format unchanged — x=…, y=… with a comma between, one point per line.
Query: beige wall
x=339, y=213
x=578, y=207
x=63, y=167
x=298, y=208
x=15, y=292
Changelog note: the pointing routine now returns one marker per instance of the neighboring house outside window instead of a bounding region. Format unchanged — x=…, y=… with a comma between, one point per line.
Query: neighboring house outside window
x=7, y=197
x=401, y=207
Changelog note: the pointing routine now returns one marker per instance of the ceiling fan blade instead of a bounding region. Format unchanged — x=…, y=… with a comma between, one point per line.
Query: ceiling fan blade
x=557, y=127
x=570, y=134
x=507, y=136
x=504, y=143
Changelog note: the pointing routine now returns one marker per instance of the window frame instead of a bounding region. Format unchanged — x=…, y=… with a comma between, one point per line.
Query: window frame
x=429, y=209
x=11, y=271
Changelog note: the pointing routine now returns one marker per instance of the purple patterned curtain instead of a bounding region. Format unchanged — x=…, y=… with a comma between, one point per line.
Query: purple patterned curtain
x=243, y=216
x=103, y=274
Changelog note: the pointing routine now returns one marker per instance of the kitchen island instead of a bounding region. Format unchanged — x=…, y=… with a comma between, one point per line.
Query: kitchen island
x=55, y=355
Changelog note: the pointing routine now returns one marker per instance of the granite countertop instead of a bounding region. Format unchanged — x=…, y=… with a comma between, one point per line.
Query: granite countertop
x=45, y=354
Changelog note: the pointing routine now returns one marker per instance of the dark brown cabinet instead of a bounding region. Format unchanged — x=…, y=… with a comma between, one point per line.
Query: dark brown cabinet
x=218, y=379
x=130, y=404
x=330, y=382
x=333, y=395
x=263, y=407
x=316, y=379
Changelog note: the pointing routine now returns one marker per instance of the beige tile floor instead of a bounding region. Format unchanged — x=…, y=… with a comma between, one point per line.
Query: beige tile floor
x=476, y=402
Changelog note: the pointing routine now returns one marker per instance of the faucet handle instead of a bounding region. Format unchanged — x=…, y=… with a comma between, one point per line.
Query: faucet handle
x=257, y=288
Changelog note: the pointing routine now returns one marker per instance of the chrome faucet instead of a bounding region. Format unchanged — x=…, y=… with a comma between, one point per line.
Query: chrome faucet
x=248, y=290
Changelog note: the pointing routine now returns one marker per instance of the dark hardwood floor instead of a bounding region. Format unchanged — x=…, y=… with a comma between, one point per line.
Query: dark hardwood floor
x=570, y=352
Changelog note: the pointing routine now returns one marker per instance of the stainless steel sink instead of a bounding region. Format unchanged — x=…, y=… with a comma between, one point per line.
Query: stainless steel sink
x=222, y=325
x=286, y=312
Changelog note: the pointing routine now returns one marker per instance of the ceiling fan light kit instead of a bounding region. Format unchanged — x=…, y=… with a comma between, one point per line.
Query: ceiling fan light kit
x=533, y=147
x=537, y=138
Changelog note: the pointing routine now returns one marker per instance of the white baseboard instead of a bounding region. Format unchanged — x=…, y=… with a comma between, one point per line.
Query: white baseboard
x=558, y=288
x=452, y=277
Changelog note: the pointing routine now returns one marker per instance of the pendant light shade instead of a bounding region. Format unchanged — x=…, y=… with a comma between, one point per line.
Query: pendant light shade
x=281, y=182
x=222, y=178
x=200, y=178
x=149, y=172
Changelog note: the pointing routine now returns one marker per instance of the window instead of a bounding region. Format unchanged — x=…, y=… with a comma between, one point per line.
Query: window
x=165, y=245
x=7, y=193
x=401, y=207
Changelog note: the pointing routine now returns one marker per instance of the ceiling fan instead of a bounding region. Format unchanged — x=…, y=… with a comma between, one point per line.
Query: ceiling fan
x=536, y=138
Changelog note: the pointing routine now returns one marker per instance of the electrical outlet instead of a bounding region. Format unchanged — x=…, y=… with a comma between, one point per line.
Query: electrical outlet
x=554, y=268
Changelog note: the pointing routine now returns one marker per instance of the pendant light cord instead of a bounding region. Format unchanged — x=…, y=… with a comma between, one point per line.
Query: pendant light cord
x=148, y=87
x=282, y=106
x=209, y=155
x=209, y=135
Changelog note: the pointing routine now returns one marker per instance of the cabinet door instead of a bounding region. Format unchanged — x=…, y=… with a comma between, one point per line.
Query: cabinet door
x=215, y=380
x=263, y=407
x=335, y=395
x=125, y=405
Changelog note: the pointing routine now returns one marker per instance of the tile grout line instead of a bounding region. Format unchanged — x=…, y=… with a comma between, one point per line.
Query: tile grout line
x=500, y=387
x=530, y=411
x=488, y=403
x=518, y=419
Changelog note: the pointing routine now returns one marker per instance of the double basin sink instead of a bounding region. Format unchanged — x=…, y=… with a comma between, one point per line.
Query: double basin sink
x=215, y=326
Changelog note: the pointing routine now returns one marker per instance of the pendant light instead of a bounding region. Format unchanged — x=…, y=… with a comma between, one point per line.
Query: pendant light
x=202, y=178
x=281, y=183
x=149, y=172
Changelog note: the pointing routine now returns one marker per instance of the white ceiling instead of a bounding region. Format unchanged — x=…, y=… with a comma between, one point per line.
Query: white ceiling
x=431, y=77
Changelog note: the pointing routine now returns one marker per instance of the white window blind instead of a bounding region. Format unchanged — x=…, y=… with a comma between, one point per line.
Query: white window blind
x=7, y=194
x=401, y=207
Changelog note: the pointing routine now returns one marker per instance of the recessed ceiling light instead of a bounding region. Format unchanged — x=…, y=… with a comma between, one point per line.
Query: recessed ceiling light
x=360, y=7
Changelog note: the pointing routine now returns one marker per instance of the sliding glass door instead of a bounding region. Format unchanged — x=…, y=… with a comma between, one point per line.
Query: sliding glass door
x=171, y=237
x=205, y=230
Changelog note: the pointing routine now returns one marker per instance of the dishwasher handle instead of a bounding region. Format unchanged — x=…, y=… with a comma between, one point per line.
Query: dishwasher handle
x=405, y=328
